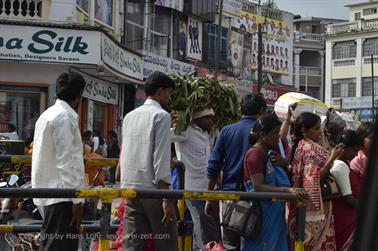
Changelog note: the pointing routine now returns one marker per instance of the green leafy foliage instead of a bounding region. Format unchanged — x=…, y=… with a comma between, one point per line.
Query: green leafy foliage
x=192, y=94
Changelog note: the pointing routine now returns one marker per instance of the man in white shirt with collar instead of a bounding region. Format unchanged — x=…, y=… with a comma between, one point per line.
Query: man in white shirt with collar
x=193, y=148
x=145, y=164
x=57, y=162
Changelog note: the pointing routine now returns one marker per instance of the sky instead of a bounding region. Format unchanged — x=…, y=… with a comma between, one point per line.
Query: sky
x=317, y=8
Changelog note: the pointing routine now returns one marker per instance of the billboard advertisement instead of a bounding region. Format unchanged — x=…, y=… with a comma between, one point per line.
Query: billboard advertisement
x=277, y=44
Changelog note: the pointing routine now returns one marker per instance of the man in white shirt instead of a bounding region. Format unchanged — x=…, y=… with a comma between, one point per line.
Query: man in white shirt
x=57, y=162
x=193, y=148
x=145, y=164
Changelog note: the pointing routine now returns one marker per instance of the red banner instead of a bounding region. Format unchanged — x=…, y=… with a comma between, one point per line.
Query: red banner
x=272, y=93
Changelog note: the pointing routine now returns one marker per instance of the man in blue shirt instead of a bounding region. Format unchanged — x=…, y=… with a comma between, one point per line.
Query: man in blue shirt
x=228, y=156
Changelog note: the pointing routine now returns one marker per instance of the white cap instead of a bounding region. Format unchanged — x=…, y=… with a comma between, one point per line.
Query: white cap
x=203, y=113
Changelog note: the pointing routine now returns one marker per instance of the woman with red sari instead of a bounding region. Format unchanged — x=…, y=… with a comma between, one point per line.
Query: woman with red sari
x=345, y=208
x=310, y=163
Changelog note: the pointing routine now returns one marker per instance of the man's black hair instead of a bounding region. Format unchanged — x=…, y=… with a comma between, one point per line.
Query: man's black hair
x=252, y=104
x=351, y=138
x=157, y=80
x=69, y=86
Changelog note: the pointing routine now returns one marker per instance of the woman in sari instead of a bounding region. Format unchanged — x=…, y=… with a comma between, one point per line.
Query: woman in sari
x=345, y=208
x=310, y=163
x=358, y=164
x=261, y=175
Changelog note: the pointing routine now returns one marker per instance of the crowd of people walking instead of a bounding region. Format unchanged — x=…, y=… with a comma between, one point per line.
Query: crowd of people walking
x=259, y=153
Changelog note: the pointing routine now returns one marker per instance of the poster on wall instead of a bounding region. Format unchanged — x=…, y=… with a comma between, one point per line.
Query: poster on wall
x=194, y=39
x=104, y=11
x=183, y=27
x=235, y=54
x=277, y=44
x=83, y=4
x=173, y=4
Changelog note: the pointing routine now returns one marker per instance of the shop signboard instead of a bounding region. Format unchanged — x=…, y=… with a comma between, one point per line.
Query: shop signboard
x=101, y=91
x=152, y=62
x=45, y=44
x=120, y=59
x=363, y=114
x=358, y=102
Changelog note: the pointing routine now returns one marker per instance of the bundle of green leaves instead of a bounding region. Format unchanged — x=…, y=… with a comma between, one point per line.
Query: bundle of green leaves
x=192, y=94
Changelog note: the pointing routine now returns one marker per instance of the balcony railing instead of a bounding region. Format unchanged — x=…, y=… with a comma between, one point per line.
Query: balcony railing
x=361, y=25
x=30, y=9
x=309, y=37
x=344, y=62
x=367, y=60
x=310, y=71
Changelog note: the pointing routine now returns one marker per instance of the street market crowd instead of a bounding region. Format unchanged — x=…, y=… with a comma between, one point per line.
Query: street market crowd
x=300, y=154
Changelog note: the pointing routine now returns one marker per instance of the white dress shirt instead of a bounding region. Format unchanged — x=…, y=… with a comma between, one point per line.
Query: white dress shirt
x=340, y=171
x=146, y=147
x=193, y=148
x=57, y=160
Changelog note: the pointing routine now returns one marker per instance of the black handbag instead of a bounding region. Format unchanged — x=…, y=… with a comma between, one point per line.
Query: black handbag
x=329, y=188
x=244, y=218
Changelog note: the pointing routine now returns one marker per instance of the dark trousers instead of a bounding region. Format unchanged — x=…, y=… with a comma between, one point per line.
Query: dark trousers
x=142, y=221
x=56, y=233
x=205, y=228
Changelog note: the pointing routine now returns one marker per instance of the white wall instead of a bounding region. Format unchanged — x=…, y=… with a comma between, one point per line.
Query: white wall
x=32, y=73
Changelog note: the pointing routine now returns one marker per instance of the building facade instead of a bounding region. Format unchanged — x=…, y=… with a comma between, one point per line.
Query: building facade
x=117, y=44
x=41, y=39
x=349, y=48
x=309, y=54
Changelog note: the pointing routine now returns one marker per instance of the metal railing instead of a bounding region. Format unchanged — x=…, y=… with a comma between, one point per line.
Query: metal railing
x=28, y=9
x=108, y=194
x=27, y=159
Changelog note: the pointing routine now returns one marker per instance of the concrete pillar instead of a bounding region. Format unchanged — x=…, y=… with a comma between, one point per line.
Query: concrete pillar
x=328, y=74
x=322, y=75
x=359, y=65
x=297, y=53
x=147, y=25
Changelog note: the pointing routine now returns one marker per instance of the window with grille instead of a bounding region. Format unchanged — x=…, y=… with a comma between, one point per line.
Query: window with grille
x=213, y=39
x=346, y=49
x=134, y=24
x=344, y=88
x=370, y=47
x=367, y=86
x=370, y=11
x=357, y=16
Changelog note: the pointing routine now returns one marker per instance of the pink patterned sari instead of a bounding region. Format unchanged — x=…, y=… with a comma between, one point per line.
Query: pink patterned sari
x=319, y=225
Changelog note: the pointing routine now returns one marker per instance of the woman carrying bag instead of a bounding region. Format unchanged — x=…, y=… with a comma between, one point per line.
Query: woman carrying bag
x=261, y=175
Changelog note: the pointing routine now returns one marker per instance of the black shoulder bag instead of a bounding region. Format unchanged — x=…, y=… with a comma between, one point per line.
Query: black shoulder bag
x=243, y=217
